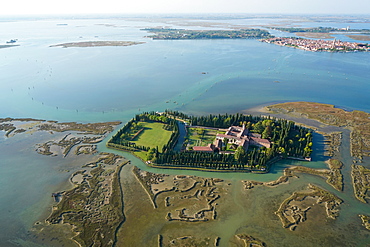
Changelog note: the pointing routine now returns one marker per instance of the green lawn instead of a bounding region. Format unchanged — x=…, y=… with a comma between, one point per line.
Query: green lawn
x=153, y=135
x=141, y=154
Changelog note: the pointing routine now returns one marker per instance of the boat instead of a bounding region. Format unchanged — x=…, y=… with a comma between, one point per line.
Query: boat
x=11, y=41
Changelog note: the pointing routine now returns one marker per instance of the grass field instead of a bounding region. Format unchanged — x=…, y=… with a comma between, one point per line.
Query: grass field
x=153, y=135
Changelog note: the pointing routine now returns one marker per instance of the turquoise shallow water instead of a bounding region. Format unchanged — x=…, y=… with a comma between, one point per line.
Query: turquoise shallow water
x=101, y=83
x=114, y=83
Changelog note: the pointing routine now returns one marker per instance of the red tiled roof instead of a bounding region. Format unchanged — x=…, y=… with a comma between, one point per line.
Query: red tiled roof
x=255, y=135
x=260, y=140
x=197, y=148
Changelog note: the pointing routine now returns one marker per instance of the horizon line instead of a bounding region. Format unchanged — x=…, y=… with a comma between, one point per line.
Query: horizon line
x=180, y=13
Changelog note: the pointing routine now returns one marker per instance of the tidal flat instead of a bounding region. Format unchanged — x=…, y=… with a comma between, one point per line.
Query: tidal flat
x=359, y=37
x=158, y=209
x=97, y=43
x=196, y=77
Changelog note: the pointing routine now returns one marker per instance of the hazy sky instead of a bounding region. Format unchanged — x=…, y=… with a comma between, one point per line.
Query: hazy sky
x=185, y=6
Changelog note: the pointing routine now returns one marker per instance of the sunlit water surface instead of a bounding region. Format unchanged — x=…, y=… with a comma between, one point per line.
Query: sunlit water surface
x=114, y=83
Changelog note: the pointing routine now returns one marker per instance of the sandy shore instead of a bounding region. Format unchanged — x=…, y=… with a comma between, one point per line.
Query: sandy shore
x=315, y=35
x=97, y=43
x=359, y=37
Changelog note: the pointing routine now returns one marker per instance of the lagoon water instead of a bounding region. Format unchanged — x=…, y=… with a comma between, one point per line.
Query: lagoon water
x=113, y=83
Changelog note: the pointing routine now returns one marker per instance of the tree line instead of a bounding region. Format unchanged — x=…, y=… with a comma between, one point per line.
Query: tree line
x=123, y=138
x=208, y=34
x=317, y=29
x=287, y=140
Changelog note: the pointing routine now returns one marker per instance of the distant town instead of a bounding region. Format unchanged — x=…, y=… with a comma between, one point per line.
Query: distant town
x=168, y=33
x=319, y=45
x=265, y=36
x=320, y=30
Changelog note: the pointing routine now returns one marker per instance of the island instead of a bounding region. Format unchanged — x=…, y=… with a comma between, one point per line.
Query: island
x=361, y=37
x=62, y=144
x=226, y=143
x=293, y=210
x=319, y=45
x=95, y=198
x=358, y=122
x=333, y=175
x=325, y=32
x=94, y=206
x=168, y=33
x=7, y=46
x=248, y=240
x=177, y=209
x=361, y=182
x=319, y=29
x=97, y=43
x=365, y=221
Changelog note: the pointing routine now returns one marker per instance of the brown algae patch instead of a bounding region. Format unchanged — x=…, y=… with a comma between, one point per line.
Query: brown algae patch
x=365, y=221
x=187, y=240
x=32, y=125
x=84, y=140
x=333, y=175
x=188, y=198
x=332, y=143
x=88, y=128
x=66, y=143
x=82, y=136
x=170, y=209
x=79, y=177
x=293, y=211
x=86, y=149
x=361, y=182
x=94, y=206
x=248, y=241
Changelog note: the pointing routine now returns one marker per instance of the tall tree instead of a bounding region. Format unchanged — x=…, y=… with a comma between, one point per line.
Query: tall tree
x=240, y=154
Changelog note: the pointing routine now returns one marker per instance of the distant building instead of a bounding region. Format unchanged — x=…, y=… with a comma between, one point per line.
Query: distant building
x=242, y=137
x=239, y=136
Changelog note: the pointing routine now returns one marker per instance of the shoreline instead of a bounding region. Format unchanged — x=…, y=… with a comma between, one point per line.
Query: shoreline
x=332, y=175
x=75, y=200
x=358, y=122
x=331, y=212
x=97, y=44
x=318, y=45
x=292, y=215
x=7, y=46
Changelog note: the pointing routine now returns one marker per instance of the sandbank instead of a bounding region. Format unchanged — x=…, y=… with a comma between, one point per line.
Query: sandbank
x=97, y=43
x=359, y=37
x=7, y=46
x=315, y=35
